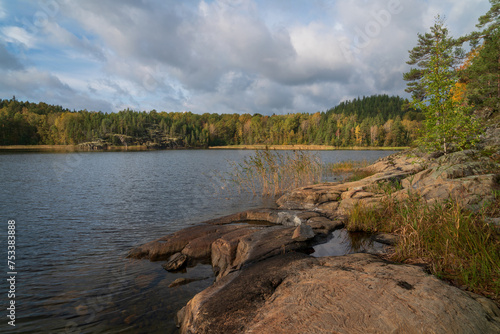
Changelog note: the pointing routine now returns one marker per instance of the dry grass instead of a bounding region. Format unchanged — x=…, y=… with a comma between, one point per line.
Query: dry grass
x=359, y=174
x=457, y=245
x=272, y=173
x=347, y=165
x=349, y=170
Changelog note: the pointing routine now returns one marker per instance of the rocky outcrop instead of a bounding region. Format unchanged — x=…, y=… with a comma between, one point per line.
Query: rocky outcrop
x=93, y=146
x=358, y=293
x=192, y=241
x=465, y=176
x=266, y=283
x=231, y=242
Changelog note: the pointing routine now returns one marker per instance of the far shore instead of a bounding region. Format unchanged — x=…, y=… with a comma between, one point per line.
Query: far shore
x=68, y=148
x=77, y=148
x=306, y=147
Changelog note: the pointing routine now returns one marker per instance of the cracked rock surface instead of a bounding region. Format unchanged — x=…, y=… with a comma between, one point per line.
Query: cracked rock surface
x=358, y=293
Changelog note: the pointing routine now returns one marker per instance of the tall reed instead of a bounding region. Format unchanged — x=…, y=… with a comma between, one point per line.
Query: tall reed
x=272, y=172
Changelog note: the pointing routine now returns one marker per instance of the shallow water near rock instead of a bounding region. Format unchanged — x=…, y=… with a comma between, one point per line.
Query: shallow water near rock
x=342, y=242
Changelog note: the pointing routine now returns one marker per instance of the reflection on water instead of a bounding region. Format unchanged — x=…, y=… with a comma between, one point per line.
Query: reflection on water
x=342, y=242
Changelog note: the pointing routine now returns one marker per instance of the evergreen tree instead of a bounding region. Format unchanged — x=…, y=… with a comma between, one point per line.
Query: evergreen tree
x=446, y=123
x=490, y=21
x=421, y=55
x=482, y=75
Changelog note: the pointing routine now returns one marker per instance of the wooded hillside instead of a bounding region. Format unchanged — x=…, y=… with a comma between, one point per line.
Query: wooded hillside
x=369, y=121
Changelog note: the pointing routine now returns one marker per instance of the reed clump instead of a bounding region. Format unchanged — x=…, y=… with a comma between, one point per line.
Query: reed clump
x=349, y=170
x=347, y=165
x=457, y=245
x=272, y=173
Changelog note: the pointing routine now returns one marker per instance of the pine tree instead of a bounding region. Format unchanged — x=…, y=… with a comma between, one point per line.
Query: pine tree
x=447, y=123
x=421, y=57
x=491, y=20
x=482, y=76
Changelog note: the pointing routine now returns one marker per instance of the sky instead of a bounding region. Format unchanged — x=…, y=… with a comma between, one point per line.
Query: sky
x=217, y=56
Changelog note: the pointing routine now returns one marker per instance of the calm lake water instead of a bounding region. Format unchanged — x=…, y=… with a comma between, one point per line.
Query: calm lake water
x=78, y=214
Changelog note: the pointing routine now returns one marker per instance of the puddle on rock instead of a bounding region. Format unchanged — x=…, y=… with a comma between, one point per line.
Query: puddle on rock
x=343, y=242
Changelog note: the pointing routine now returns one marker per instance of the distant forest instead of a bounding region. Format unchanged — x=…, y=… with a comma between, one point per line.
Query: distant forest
x=378, y=120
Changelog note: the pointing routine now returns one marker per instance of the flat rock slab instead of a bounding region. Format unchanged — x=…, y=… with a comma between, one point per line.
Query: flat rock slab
x=192, y=241
x=357, y=293
x=303, y=232
x=233, y=241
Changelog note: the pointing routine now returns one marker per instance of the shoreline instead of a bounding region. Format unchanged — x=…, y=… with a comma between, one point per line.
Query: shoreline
x=77, y=148
x=307, y=148
x=73, y=148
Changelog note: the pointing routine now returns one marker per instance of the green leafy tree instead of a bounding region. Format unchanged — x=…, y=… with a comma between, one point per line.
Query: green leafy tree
x=447, y=123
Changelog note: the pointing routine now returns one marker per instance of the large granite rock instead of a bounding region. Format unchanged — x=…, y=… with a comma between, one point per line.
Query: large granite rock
x=229, y=254
x=465, y=176
x=232, y=241
x=357, y=293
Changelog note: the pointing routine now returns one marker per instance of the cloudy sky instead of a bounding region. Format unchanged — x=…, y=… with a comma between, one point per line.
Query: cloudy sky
x=224, y=56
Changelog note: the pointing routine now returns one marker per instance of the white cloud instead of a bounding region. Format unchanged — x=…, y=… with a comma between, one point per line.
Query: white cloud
x=3, y=13
x=228, y=56
x=62, y=38
x=18, y=35
x=37, y=85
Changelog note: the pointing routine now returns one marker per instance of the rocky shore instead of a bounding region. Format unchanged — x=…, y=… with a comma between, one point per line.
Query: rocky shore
x=267, y=283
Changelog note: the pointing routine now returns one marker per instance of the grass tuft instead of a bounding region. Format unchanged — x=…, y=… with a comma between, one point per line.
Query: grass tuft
x=458, y=245
x=349, y=170
x=346, y=166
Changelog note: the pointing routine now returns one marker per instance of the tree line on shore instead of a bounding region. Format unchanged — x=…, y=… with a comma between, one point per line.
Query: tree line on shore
x=379, y=120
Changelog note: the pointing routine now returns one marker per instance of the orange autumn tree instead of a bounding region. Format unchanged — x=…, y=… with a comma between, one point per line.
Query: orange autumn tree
x=459, y=91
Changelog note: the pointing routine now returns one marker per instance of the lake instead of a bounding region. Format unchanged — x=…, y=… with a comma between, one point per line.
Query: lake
x=78, y=214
